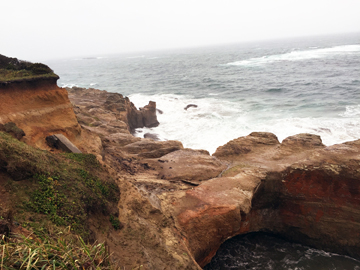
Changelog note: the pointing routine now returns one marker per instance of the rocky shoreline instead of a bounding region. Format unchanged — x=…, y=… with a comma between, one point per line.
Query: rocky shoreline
x=178, y=205
x=299, y=188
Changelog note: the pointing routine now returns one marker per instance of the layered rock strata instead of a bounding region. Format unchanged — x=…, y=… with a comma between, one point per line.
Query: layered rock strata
x=300, y=189
x=40, y=108
x=178, y=205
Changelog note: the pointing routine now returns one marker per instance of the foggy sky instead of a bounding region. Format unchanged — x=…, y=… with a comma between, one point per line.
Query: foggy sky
x=40, y=30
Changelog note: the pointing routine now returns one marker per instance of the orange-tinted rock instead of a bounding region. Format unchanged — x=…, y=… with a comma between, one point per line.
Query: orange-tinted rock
x=212, y=212
x=313, y=197
x=40, y=108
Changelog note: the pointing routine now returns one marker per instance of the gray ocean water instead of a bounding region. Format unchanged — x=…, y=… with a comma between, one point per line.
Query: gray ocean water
x=260, y=251
x=286, y=87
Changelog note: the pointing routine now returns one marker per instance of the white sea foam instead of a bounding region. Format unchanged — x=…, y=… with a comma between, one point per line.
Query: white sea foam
x=297, y=55
x=215, y=122
x=70, y=85
x=351, y=110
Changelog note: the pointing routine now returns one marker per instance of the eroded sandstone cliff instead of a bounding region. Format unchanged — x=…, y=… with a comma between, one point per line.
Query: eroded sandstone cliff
x=40, y=108
x=178, y=205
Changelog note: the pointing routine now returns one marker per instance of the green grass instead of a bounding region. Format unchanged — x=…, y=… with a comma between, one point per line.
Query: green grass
x=23, y=70
x=61, y=250
x=15, y=75
x=56, y=189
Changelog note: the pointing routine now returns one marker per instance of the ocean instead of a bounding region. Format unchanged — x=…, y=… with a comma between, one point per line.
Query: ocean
x=303, y=85
x=300, y=85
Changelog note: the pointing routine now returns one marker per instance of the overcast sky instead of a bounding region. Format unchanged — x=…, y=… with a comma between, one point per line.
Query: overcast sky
x=38, y=30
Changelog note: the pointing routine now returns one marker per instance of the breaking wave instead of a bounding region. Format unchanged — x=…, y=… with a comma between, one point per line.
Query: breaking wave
x=298, y=55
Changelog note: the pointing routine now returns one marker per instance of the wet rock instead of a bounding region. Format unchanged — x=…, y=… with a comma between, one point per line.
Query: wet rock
x=149, y=115
x=152, y=136
x=190, y=106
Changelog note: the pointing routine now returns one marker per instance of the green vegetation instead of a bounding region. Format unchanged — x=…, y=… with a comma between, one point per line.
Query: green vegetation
x=60, y=250
x=15, y=75
x=12, y=69
x=115, y=222
x=56, y=190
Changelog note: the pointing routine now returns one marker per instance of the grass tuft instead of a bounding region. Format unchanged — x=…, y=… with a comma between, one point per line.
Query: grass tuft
x=62, y=250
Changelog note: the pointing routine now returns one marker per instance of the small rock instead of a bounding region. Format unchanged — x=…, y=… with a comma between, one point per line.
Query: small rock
x=190, y=106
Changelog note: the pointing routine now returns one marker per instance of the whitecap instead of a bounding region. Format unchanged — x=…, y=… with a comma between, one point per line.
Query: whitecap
x=69, y=85
x=297, y=55
x=215, y=122
x=351, y=110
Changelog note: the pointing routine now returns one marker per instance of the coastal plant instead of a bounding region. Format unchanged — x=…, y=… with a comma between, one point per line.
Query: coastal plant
x=12, y=69
x=56, y=189
x=62, y=250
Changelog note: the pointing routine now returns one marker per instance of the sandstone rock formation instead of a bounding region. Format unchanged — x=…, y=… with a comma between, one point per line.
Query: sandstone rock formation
x=40, y=108
x=178, y=205
x=300, y=189
x=115, y=111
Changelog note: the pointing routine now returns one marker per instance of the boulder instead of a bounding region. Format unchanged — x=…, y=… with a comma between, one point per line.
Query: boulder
x=152, y=136
x=59, y=141
x=190, y=165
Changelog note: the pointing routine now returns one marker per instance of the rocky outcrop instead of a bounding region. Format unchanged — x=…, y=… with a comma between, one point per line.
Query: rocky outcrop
x=40, y=108
x=300, y=189
x=178, y=205
x=105, y=113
